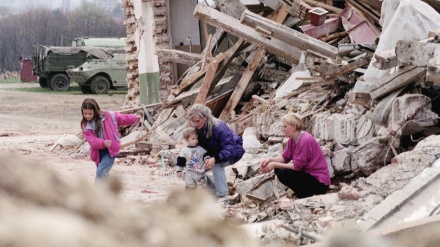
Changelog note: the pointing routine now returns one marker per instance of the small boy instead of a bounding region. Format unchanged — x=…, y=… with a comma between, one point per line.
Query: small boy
x=193, y=157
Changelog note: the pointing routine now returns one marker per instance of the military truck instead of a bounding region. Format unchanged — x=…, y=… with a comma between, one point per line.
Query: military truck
x=99, y=75
x=50, y=63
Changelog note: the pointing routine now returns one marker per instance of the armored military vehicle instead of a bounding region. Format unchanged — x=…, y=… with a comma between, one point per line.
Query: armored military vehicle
x=50, y=63
x=99, y=75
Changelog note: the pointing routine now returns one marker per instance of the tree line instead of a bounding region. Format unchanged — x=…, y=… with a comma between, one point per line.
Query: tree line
x=42, y=26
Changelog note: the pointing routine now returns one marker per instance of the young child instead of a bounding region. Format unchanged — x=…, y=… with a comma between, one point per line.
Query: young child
x=100, y=129
x=193, y=157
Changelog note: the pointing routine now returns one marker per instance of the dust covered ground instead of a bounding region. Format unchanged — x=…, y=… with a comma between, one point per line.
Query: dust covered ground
x=31, y=122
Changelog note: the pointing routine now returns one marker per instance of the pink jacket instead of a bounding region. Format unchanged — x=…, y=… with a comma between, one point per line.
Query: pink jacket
x=110, y=132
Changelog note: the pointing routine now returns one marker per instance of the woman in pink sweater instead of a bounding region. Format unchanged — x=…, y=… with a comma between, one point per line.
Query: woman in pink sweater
x=100, y=129
x=309, y=174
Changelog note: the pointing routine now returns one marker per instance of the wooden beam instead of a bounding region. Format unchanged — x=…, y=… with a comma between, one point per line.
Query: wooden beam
x=207, y=81
x=361, y=61
x=242, y=84
x=189, y=82
x=211, y=80
x=192, y=93
x=288, y=35
x=297, y=8
x=279, y=17
x=176, y=56
x=385, y=59
x=397, y=80
x=233, y=26
x=324, y=6
x=233, y=8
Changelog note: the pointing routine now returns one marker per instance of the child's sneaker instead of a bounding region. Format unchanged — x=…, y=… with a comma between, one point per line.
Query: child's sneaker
x=223, y=199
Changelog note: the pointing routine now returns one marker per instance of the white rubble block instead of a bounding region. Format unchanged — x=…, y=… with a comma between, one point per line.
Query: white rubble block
x=291, y=84
x=429, y=145
x=325, y=221
x=338, y=127
x=263, y=122
x=424, y=154
x=330, y=166
x=404, y=108
x=248, y=166
x=275, y=150
x=365, y=129
x=349, y=193
x=250, y=141
x=341, y=160
x=367, y=157
x=260, y=187
x=68, y=141
x=134, y=135
x=85, y=148
x=276, y=129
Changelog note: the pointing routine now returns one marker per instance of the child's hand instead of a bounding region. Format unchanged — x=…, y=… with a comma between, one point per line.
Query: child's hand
x=107, y=143
x=139, y=117
x=179, y=174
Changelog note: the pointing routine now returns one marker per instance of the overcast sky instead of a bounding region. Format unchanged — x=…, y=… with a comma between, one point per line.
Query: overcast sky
x=23, y=4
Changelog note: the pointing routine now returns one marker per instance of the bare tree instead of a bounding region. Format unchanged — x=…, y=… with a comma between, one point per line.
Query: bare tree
x=42, y=26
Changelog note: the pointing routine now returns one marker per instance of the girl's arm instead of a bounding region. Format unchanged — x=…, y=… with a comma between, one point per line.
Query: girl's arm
x=126, y=119
x=93, y=140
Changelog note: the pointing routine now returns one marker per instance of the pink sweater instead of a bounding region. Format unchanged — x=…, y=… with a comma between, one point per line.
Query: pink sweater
x=308, y=157
x=110, y=132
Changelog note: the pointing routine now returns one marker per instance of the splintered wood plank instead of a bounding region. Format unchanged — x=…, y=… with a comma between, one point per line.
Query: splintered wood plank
x=397, y=80
x=279, y=17
x=234, y=27
x=207, y=81
x=242, y=84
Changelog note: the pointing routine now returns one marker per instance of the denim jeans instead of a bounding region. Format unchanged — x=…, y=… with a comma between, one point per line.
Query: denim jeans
x=105, y=164
x=220, y=184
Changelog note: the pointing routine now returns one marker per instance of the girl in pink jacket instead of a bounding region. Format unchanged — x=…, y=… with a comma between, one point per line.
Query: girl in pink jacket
x=100, y=129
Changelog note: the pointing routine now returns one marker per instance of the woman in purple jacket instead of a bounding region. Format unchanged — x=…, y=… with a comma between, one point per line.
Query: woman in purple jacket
x=309, y=174
x=222, y=144
x=100, y=129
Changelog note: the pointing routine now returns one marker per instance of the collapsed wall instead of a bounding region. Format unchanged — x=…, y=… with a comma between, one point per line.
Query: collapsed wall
x=141, y=59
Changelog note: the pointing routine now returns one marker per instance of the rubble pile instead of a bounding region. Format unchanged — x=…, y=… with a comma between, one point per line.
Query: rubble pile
x=364, y=90
x=364, y=77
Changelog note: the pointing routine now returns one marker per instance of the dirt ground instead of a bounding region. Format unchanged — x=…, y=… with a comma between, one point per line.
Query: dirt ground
x=31, y=122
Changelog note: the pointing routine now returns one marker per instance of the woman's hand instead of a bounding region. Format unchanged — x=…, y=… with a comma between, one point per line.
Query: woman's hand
x=266, y=165
x=209, y=163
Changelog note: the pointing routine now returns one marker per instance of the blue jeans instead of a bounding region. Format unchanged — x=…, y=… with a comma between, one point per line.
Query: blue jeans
x=105, y=164
x=220, y=184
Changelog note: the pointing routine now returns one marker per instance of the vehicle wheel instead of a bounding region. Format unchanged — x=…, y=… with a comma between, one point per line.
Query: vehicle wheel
x=85, y=89
x=43, y=82
x=100, y=85
x=59, y=82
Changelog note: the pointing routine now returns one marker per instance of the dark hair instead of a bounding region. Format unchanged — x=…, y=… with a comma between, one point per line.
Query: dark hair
x=91, y=104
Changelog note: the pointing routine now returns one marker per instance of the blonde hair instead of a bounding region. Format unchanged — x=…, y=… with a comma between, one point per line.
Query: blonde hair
x=187, y=132
x=293, y=119
x=203, y=111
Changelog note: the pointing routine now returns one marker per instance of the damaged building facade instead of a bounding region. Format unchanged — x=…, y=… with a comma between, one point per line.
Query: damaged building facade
x=364, y=76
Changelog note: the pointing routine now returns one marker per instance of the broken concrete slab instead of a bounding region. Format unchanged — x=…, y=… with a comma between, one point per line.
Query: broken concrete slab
x=405, y=204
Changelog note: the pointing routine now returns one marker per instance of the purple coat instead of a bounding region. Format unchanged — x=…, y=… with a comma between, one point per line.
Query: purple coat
x=307, y=156
x=110, y=132
x=224, y=144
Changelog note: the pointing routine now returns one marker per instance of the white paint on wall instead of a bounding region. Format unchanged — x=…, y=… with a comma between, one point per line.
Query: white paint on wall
x=148, y=61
